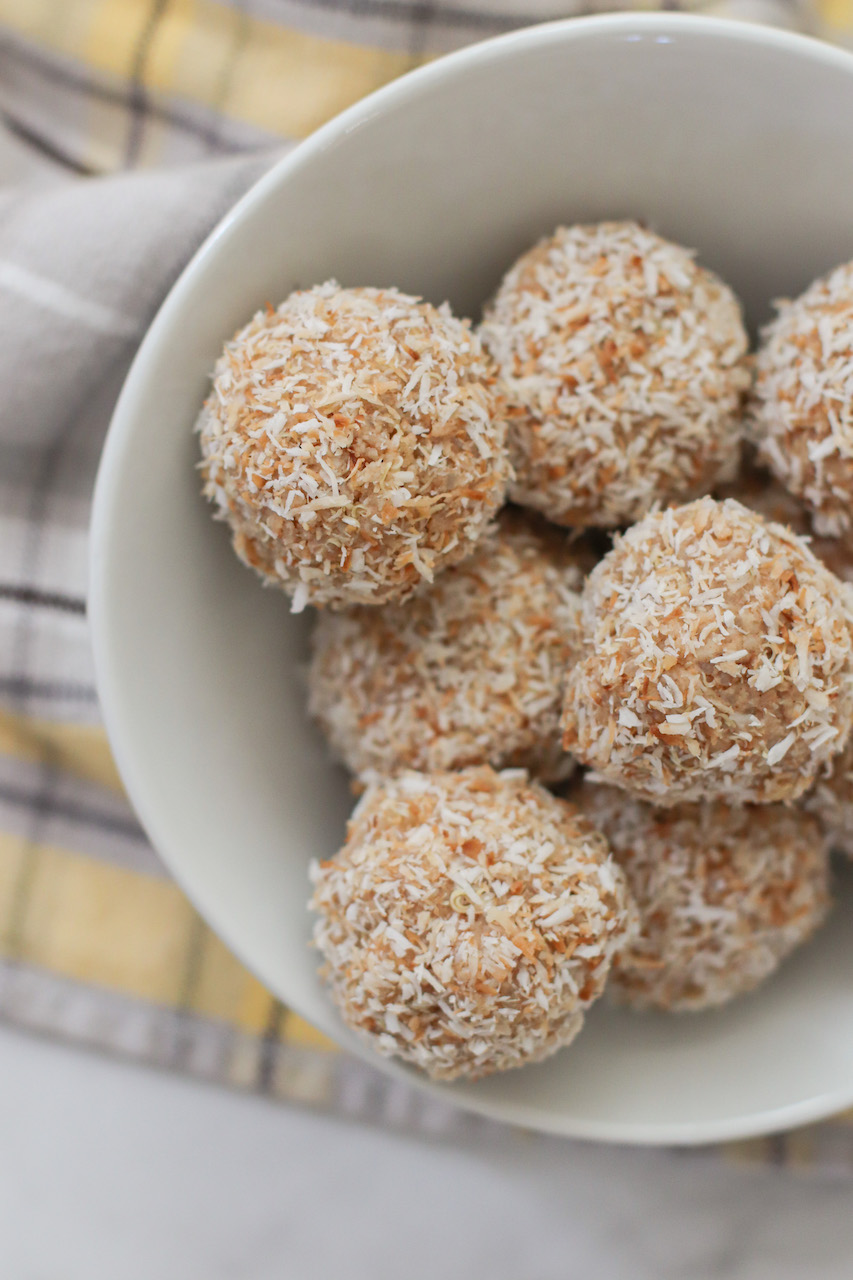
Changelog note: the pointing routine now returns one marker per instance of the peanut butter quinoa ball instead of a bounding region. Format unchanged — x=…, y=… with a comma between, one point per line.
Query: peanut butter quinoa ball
x=803, y=403
x=831, y=800
x=717, y=660
x=724, y=894
x=352, y=443
x=469, y=672
x=468, y=921
x=623, y=366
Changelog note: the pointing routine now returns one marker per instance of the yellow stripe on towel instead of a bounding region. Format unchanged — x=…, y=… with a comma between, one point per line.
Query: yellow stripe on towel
x=297, y=1031
x=92, y=922
x=837, y=14
x=278, y=78
x=100, y=924
x=79, y=749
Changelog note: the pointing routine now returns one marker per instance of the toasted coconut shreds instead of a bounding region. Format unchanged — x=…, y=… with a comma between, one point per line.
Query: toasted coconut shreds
x=831, y=800
x=717, y=660
x=724, y=894
x=757, y=489
x=762, y=492
x=352, y=442
x=469, y=920
x=803, y=405
x=468, y=673
x=622, y=363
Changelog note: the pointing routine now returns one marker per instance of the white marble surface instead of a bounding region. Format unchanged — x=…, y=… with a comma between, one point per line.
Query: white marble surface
x=109, y=1172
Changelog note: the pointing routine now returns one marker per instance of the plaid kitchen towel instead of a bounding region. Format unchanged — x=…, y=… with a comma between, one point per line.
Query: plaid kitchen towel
x=177, y=106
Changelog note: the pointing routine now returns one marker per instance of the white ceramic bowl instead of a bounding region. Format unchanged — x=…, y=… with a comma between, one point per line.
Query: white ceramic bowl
x=733, y=139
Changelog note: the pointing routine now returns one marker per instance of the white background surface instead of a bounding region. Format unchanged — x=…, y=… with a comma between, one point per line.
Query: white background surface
x=111, y=1172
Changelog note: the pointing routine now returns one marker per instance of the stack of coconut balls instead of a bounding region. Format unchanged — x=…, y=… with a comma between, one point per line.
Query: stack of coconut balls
x=468, y=655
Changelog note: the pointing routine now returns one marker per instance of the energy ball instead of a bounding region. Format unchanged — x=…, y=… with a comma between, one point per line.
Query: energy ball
x=622, y=363
x=831, y=800
x=724, y=894
x=467, y=673
x=803, y=403
x=469, y=920
x=353, y=444
x=717, y=660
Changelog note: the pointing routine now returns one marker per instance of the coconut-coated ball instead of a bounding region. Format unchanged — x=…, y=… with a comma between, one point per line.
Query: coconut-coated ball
x=831, y=800
x=724, y=894
x=469, y=672
x=803, y=403
x=717, y=660
x=352, y=442
x=622, y=363
x=759, y=490
x=469, y=920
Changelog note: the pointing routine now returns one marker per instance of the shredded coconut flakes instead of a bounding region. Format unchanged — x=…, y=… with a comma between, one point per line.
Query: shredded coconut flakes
x=831, y=800
x=752, y=728
x=463, y=981
x=352, y=441
x=623, y=368
x=724, y=894
x=468, y=673
x=803, y=405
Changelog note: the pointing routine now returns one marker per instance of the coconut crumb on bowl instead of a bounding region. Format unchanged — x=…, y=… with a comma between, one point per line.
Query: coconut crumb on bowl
x=622, y=363
x=803, y=403
x=469, y=672
x=353, y=443
x=724, y=893
x=469, y=920
x=717, y=660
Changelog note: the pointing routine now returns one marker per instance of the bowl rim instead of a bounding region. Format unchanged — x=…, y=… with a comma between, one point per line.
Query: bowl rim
x=662, y=24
